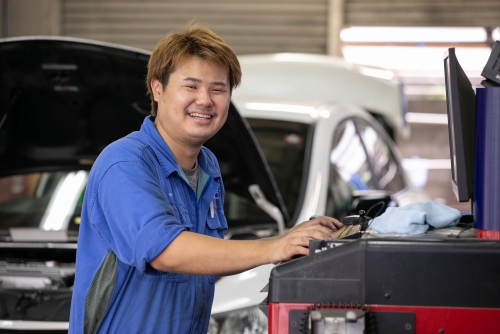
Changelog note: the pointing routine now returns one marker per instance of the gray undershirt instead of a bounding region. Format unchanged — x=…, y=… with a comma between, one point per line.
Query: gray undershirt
x=192, y=176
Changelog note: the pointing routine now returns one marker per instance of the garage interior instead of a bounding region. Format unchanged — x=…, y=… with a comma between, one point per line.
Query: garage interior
x=312, y=26
x=398, y=40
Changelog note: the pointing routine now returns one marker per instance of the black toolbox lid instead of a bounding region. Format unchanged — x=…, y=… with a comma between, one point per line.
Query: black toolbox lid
x=399, y=271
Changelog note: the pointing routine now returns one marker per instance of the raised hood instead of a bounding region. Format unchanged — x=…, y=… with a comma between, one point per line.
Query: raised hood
x=62, y=100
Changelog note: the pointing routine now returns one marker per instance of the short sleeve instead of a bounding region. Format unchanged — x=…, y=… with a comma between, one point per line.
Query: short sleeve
x=137, y=221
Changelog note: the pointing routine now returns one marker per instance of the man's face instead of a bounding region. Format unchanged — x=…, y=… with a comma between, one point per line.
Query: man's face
x=194, y=104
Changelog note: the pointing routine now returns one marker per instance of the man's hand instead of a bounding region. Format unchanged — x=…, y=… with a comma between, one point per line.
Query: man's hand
x=296, y=240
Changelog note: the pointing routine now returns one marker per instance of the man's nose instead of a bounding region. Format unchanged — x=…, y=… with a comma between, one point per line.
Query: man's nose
x=203, y=98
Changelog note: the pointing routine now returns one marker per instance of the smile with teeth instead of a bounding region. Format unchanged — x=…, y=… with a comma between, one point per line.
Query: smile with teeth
x=202, y=116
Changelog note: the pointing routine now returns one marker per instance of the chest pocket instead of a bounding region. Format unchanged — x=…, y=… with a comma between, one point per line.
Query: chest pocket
x=216, y=224
x=218, y=221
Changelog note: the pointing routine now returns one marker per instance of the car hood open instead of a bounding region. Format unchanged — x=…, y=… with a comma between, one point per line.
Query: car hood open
x=64, y=99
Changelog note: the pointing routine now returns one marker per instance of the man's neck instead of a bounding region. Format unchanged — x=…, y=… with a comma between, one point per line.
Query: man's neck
x=184, y=154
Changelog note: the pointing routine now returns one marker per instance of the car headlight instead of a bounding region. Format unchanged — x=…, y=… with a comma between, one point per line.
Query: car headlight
x=244, y=321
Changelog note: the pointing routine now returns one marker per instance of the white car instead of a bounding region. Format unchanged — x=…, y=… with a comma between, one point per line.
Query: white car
x=321, y=126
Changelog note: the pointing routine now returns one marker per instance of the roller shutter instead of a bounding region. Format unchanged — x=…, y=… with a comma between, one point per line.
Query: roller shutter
x=257, y=26
x=432, y=13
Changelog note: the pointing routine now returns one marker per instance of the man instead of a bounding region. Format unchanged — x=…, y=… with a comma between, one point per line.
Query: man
x=151, y=237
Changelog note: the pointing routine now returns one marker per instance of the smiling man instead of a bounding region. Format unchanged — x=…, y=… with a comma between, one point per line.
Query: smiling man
x=151, y=236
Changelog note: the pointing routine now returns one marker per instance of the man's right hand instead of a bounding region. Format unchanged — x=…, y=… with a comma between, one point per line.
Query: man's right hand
x=296, y=240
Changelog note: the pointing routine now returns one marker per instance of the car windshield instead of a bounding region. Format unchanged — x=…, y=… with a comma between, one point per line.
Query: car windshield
x=284, y=146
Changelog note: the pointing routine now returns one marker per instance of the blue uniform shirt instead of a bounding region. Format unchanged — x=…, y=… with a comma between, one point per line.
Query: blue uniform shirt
x=136, y=203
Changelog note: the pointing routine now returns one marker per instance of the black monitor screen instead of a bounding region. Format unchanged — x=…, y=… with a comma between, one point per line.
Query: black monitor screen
x=461, y=105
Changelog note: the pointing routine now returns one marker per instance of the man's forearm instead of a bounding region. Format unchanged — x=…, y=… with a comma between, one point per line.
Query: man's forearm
x=192, y=253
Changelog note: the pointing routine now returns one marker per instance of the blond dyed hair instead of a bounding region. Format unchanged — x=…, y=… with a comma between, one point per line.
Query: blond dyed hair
x=194, y=40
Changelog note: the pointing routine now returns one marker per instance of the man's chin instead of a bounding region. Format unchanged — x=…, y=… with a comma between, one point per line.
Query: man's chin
x=197, y=141
x=200, y=136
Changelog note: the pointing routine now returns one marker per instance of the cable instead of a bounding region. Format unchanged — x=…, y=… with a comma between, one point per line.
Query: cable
x=378, y=212
x=375, y=205
x=465, y=229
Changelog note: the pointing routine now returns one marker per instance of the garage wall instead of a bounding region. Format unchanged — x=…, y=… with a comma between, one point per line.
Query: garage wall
x=27, y=17
x=433, y=13
x=256, y=26
x=3, y=19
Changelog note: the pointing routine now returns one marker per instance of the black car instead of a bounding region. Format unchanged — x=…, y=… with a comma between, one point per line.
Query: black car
x=63, y=100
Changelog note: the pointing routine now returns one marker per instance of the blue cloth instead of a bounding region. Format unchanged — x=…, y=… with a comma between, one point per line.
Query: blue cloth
x=136, y=203
x=416, y=218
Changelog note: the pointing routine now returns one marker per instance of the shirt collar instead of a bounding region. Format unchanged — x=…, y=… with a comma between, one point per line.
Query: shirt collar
x=165, y=155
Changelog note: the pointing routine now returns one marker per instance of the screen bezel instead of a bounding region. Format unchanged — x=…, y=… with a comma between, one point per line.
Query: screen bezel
x=461, y=151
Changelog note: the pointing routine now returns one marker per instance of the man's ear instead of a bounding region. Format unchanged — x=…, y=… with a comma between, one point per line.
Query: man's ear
x=156, y=88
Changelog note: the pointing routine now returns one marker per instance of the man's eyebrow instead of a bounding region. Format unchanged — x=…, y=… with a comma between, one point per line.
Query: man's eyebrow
x=217, y=83
x=192, y=79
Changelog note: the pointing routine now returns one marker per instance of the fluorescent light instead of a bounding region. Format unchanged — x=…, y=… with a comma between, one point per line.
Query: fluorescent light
x=416, y=59
x=414, y=34
x=292, y=108
x=64, y=201
x=427, y=118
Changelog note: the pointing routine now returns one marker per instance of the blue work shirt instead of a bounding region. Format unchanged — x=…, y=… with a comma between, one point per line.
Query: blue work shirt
x=136, y=202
